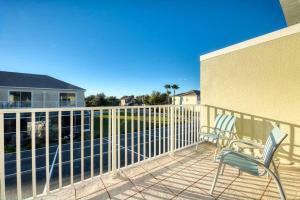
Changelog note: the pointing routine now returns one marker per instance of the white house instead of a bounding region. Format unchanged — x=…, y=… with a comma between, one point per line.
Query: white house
x=18, y=90
x=190, y=97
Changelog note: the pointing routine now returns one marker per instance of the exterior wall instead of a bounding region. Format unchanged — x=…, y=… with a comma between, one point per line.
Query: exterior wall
x=80, y=99
x=186, y=100
x=260, y=84
x=3, y=94
x=44, y=97
x=123, y=102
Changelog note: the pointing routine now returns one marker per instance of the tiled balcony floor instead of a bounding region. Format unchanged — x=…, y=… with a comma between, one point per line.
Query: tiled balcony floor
x=189, y=175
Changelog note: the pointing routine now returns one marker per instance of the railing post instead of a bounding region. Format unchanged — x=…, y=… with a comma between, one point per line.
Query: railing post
x=114, y=143
x=172, y=131
x=2, y=158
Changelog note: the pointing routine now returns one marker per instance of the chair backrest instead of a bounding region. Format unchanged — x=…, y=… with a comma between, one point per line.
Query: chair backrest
x=274, y=140
x=225, y=122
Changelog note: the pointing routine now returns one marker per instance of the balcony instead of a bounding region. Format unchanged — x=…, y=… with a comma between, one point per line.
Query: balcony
x=139, y=152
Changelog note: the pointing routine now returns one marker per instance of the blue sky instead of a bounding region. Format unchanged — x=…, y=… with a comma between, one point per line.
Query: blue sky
x=126, y=47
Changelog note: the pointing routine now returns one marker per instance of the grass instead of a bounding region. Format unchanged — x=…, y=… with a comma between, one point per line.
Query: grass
x=122, y=124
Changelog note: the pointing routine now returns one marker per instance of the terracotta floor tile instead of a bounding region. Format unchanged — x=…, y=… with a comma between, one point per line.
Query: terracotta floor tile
x=157, y=191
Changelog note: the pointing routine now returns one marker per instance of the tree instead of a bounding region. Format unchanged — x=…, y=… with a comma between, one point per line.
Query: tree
x=101, y=100
x=112, y=101
x=168, y=87
x=174, y=87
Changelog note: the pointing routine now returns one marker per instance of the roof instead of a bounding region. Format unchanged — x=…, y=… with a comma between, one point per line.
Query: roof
x=24, y=80
x=254, y=41
x=196, y=92
x=127, y=97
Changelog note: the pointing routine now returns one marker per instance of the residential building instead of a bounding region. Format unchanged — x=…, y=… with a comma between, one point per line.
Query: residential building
x=258, y=80
x=190, y=97
x=127, y=101
x=19, y=90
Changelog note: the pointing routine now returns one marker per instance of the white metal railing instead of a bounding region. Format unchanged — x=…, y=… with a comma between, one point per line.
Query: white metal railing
x=118, y=137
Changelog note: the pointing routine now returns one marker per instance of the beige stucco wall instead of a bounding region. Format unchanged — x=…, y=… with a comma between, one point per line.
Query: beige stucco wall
x=259, y=84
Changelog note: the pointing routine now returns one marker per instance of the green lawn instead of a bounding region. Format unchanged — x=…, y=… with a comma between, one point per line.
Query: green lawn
x=122, y=124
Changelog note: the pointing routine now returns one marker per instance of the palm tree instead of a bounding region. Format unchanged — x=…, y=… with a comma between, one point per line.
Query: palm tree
x=167, y=87
x=174, y=87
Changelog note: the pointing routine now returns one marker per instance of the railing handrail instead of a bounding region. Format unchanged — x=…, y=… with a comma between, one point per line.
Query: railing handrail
x=57, y=109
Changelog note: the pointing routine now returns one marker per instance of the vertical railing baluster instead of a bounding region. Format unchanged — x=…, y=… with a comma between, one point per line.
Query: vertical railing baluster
x=126, y=145
x=109, y=139
x=144, y=132
x=2, y=157
x=172, y=131
x=186, y=126
x=47, y=151
x=179, y=129
x=82, y=144
x=33, y=165
x=192, y=125
x=132, y=135
x=164, y=129
x=154, y=134
x=159, y=131
x=182, y=126
x=189, y=124
x=119, y=138
x=71, y=147
x=197, y=122
x=138, y=133
x=175, y=127
x=59, y=151
x=168, y=137
x=149, y=132
x=18, y=155
x=114, y=143
x=101, y=141
x=92, y=143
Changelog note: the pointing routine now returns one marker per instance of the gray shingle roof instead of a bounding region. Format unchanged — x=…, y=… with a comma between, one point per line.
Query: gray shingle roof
x=197, y=92
x=24, y=80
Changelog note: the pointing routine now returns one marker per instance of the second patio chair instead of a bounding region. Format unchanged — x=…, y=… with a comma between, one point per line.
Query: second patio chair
x=222, y=130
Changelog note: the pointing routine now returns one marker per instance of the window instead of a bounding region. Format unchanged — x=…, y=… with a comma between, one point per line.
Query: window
x=67, y=99
x=19, y=99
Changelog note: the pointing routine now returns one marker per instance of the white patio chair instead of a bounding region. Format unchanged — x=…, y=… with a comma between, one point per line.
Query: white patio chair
x=252, y=165
x=222, y=129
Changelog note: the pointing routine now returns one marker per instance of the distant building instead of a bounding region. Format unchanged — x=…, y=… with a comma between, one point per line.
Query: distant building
x=19, y=90
x=190, y=97
x=127, y=101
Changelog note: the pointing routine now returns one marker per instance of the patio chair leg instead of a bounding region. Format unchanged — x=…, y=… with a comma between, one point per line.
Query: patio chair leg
x=198, y=141
x=216, y=177
x=275, y=169
x=223, y=169
x=278, y=183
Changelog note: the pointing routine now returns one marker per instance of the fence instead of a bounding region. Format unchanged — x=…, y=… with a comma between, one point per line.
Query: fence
x=97, y=141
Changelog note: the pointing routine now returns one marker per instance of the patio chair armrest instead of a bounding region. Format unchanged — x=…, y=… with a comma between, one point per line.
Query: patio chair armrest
x=249, y=144
x=224, y=132
x=208, y=127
